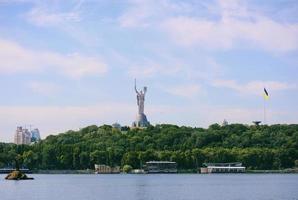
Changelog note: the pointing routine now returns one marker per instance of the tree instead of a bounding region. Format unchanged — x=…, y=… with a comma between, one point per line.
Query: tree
x=262, y=147
x=127, y=168
x=84, y=160
x=30, y=159
x=131, y=158
x=49, y=160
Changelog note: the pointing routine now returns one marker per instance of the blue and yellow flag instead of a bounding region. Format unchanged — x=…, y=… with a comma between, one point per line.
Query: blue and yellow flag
x=266, y=95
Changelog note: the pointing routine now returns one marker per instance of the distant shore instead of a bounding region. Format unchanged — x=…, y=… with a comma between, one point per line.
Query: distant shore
x=89, y=171
x=281, y=171
x=63, y=171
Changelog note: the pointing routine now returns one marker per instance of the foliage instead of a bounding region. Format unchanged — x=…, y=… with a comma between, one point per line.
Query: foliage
x=258, y=147
x=127, y=168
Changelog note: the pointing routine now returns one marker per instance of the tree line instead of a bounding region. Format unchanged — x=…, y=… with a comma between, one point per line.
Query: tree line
x=257, y=147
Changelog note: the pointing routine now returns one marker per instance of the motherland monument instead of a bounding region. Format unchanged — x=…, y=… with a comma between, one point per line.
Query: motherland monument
x=141, y=119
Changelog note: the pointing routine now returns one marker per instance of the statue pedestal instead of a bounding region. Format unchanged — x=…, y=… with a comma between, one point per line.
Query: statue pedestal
x=141, y=121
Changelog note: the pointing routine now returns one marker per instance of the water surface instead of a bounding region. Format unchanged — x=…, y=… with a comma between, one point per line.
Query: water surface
x=153, y=187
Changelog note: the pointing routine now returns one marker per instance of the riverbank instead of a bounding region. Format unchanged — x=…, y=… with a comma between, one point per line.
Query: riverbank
x=281, y=171
x=90, y=171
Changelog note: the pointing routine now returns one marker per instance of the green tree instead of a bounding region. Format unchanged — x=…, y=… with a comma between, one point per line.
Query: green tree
x=127, y=168
x=84, y=160
x=30, y=159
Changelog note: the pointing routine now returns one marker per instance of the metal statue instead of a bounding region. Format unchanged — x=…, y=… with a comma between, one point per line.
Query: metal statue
x=141, y=119
x=140, y=98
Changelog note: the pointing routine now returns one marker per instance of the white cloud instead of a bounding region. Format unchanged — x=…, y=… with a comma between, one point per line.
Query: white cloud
x=149, y=68
x=187, y=91
x=202, y=115
x=42, y=17
x=253, y=87
x=15, y=58
x=228, y=33
x=67, y=17
x=225, y=24
x=136, y=15
x=55, y=119
x=237, y=27
x=48, y=13
x=43, y=88
x=145, y=13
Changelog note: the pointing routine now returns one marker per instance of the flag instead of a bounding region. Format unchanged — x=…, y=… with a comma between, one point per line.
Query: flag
x=266, y=95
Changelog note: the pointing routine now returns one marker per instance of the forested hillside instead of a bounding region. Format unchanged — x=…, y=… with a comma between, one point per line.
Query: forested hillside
x=262, y=147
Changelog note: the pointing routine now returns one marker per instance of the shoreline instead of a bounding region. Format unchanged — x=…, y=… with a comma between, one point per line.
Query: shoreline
x=284, y=171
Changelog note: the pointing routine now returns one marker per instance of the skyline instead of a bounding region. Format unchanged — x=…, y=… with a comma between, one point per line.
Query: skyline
x=72, y=64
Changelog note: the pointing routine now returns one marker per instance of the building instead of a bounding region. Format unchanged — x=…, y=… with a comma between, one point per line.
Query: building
x=138, y=171
x=105, y=169
x=117, y=126
x=22, y=136
x=222, y=168
x=161, y=167
x=35, y=135
x=257, y=123
x=225, y=123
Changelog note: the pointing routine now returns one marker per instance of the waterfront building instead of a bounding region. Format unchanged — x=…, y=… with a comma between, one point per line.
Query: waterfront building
x=105, y=169
x=138, y=171
x=161, y=167
x=22, y=136
x=222, y=168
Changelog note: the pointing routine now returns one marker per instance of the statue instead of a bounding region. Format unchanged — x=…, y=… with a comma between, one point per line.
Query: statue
x=141, y=120
x=140, y=98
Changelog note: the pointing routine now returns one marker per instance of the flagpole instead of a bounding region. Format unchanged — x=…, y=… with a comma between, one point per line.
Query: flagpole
x=266, y=96
x=264, y=110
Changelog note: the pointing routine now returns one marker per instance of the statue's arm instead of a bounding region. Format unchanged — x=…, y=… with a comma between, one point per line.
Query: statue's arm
x=136, y=90
x=136, y=87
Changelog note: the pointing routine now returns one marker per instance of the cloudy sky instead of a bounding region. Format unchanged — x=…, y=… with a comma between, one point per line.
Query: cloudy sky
x=68, y=64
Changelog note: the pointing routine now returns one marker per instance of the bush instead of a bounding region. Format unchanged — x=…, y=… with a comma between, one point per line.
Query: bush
x=127, y=168
x=296, y=163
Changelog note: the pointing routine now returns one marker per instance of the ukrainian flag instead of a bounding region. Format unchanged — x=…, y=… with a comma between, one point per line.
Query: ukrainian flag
x=266, y=95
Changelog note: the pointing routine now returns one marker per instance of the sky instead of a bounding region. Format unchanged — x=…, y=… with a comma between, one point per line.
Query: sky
x=69, y=64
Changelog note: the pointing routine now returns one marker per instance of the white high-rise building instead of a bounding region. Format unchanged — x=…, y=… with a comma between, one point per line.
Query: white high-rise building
x=22, y=136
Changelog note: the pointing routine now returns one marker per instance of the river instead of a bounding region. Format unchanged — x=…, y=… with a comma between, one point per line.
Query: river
x=152, y=187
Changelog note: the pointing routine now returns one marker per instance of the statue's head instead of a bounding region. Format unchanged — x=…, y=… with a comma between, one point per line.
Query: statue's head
x=145, y=89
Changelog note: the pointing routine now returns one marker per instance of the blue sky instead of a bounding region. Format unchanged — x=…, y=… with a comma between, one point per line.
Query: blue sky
x=69, y=64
